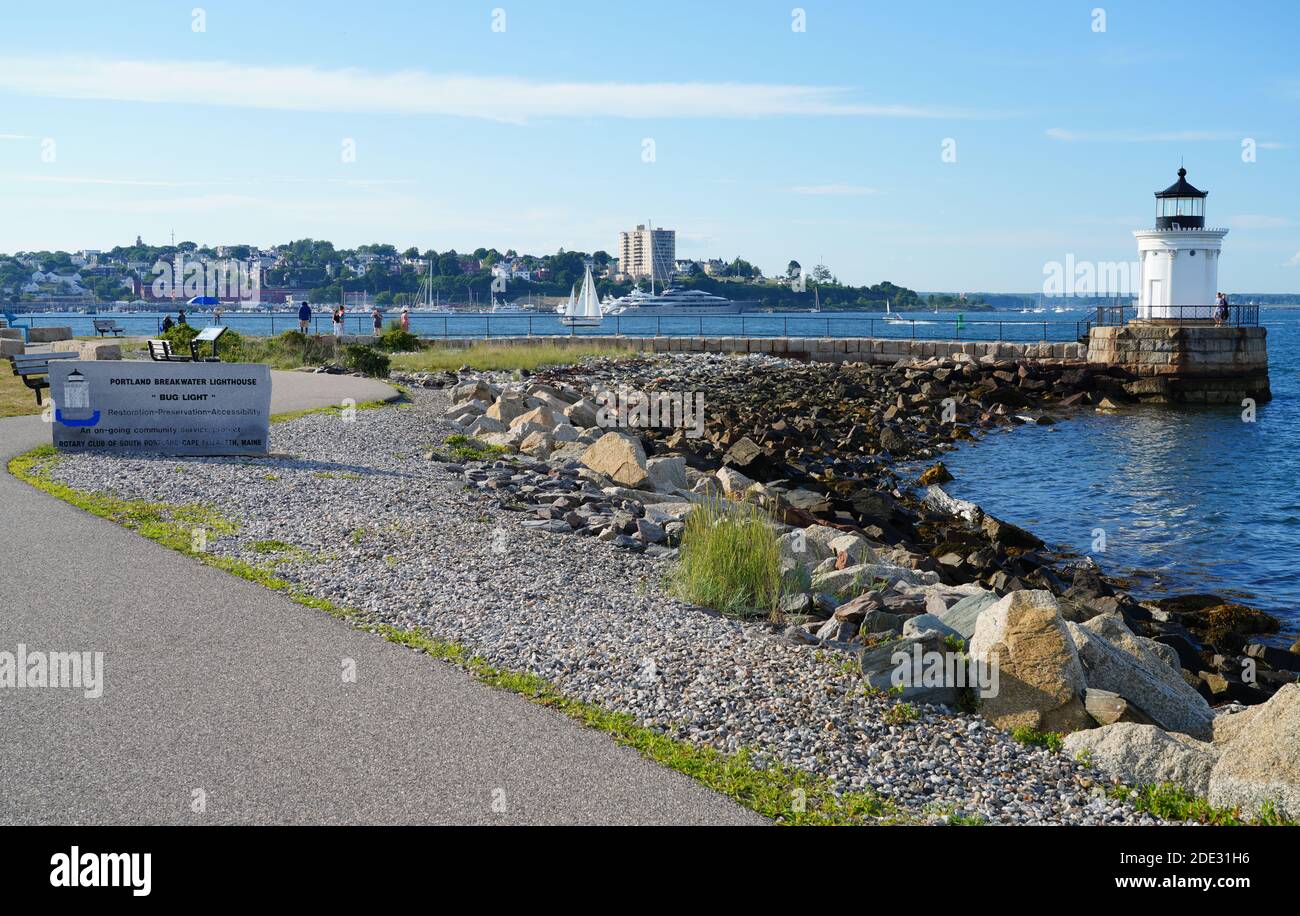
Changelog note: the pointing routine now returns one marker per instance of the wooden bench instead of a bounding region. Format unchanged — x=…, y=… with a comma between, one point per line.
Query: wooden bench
x=107, y=326
x=34, y=369
x=160, y=351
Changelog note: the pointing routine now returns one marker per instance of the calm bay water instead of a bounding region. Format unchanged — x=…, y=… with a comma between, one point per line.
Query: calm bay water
x=1193, y=498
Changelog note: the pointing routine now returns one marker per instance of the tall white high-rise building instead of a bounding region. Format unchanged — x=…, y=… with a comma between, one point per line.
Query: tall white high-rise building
x=647, y=253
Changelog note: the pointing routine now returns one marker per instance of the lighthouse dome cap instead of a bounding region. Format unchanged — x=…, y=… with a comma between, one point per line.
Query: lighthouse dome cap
x=1181, y=188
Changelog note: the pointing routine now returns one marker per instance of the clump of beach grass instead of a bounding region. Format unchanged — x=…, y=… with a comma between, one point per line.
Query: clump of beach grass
x=730, y=560
x=504, y=357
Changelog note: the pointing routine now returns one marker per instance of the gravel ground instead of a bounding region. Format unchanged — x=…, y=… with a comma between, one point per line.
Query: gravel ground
x=378, y=527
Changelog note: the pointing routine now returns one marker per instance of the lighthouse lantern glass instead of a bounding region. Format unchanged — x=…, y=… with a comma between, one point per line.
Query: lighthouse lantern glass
x=1180, y=206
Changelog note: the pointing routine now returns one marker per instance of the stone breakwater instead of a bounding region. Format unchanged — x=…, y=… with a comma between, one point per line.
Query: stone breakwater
x=889, y=568
x=1186, y=364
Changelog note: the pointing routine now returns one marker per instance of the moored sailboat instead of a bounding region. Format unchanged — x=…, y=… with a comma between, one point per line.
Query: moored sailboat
x=585, y=311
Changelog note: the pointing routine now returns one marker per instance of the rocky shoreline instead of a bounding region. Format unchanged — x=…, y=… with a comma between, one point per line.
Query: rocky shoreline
x=818, y=446
x=547, y=554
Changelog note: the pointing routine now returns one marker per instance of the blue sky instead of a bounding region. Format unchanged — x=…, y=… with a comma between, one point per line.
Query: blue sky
x=823, y=145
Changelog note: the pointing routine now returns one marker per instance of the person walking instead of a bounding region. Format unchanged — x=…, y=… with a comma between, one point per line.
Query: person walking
x=377, y=317
x=406, y=318
x=338, y=323
x=166, y=323
x=216, y=315
x=1220, y=309
x=180, y=317
x=304, y=317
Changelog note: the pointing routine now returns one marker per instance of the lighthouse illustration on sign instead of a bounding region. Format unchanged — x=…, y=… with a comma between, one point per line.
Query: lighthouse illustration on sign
x=1178, y=259
x=76, y=402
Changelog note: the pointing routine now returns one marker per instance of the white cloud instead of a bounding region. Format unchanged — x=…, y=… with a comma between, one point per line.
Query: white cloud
x=1293, y=261
x=1133, y=136
x=835, y=190
x=417, y=92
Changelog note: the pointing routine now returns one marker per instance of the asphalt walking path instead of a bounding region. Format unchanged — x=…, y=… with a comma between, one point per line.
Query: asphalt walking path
x=224, y=702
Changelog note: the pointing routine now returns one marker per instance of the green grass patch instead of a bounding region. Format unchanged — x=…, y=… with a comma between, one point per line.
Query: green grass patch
x=463, y=448
x=901, y=714
x=272, y=546
x=729, y=560
x=1174, y=803
x=505, y=357
x=1031, y=737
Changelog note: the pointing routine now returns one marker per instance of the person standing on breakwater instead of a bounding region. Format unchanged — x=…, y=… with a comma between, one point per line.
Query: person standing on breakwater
x=338, y=323
x=377, y=317
x=304, y=317
x=406, y=318
x=1221, y=309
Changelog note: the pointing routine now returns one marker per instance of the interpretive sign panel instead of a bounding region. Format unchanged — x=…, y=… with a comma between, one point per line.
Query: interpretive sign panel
x=161, y=408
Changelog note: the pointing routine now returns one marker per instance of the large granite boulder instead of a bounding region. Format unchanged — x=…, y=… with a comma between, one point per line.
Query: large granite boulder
x=473, y=390
x=1143, y=755
x=620, y=457
x=963, y=615
x=1108, y=707
x=1261, y=761
x=1040, y=680
x=667, y=474
x=928, y=623
x=507, y=409
x=803, y=548
x=862, y=575
x=1115, y=659
x=541, y=416
x=583, y=413
x=734, y=484
x=891, y=667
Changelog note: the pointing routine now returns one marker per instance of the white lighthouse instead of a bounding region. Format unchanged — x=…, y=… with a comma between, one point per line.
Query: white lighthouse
x=1179, y=258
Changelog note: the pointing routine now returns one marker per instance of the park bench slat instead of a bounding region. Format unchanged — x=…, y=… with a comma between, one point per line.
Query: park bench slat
x=34, y=369
x=161, y=351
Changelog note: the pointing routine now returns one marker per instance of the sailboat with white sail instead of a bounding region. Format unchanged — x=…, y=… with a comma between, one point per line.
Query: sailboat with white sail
x=584, y=311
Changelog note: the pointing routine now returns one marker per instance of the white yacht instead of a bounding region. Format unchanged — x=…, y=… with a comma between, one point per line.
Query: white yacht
x=677, y=301
x=511, y=308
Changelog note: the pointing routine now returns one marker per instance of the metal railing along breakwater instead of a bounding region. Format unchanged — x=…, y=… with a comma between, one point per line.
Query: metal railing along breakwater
x=1238, y=315
x=487, y=326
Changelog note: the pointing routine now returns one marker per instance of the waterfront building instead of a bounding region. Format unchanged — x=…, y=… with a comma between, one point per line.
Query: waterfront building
x=647, y=253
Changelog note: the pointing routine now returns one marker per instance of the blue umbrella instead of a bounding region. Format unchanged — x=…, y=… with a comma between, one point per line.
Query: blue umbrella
x=204, y=300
